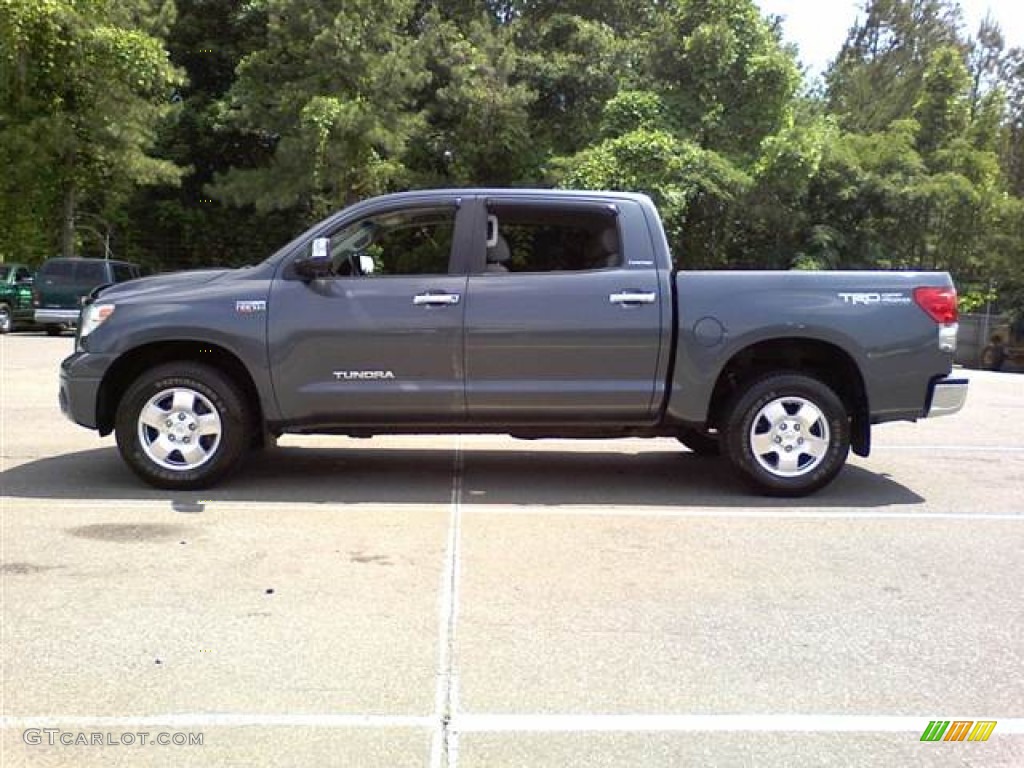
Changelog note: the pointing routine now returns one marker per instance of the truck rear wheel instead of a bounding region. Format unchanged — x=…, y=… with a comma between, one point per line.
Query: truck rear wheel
x=182, y=426
x=787, y=434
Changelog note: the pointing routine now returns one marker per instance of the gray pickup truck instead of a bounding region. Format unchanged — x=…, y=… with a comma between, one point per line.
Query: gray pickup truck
x=535, y=313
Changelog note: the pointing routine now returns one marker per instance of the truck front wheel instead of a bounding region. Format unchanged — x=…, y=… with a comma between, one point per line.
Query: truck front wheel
x=182, y=426
x=787, y=434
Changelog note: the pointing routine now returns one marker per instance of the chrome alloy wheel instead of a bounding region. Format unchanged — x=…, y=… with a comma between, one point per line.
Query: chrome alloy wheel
x=179, y=429
x=789, y=436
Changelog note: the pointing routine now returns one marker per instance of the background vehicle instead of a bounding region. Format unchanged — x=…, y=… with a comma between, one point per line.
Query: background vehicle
x=15, y=296
x=535, y=313
x=61, y=284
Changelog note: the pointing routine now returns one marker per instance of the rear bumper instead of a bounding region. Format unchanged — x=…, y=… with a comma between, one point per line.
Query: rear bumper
x=947, y=396
x=56, y=317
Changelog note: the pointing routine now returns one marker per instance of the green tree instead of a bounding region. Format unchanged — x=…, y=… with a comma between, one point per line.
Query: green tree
x=693, y=187
x=476, y=126
x=84, y=89
x=331, y=92
x=722, y=72
x=184, y=226
x=1013, y=147
x=779, y=226
x=943, y=109
x=877, y=76
x=574, y=65
x=985, y=61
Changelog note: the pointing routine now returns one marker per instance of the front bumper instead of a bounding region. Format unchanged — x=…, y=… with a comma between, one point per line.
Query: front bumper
x=56, y=317
x=80, y=379
x=947, y=396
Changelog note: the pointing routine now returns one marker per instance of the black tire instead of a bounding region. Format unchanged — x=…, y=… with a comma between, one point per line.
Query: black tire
x=993, y=358
x=805, y=447
x=54, y=330
x=700, y=443
x=6, y=318
x=213, y=394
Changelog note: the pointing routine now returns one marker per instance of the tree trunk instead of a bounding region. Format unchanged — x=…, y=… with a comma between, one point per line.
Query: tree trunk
x=67, y=238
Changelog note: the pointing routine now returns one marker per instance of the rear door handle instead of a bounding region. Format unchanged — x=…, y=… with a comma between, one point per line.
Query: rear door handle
x=633, y=297
x=436, y=299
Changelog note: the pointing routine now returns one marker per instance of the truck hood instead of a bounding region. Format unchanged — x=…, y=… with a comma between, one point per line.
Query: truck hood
x=169, y=283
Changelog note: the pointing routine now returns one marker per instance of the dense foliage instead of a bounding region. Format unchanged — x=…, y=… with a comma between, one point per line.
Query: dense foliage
x=209, y=131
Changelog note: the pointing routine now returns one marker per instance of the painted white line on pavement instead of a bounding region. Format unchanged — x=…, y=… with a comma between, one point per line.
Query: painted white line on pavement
x=767, y=514
x=641, y=446
x=939, y=450
x=713, y=723
x=512, y=723
x=442, y=745
x=214, y=719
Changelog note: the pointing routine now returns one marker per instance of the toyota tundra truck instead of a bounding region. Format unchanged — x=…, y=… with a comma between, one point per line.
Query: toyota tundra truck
x=533, y=313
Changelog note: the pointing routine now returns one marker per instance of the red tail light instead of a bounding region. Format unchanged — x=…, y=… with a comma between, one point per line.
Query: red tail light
x=939, y=303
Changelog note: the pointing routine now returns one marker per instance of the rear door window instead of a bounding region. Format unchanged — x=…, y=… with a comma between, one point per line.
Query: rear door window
x=551, y=238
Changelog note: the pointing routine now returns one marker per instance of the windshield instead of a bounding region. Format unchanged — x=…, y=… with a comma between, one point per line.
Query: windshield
x=4, y=272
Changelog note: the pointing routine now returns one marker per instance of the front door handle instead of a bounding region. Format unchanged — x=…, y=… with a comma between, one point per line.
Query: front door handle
x=633, y=297
x=436, y=299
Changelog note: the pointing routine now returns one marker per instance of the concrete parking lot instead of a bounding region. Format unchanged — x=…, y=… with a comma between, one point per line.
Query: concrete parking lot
x=479, y=601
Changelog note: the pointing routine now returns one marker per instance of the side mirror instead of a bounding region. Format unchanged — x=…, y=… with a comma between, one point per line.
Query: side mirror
x=318, y=263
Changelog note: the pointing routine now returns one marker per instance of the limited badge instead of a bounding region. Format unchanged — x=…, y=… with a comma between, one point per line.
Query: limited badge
x=250, y=307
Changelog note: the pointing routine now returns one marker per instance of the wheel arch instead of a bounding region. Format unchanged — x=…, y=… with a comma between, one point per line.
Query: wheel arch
x=824, y=360
x=129, y=365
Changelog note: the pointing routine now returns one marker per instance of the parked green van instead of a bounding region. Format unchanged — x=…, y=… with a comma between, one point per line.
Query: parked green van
x=62, y=283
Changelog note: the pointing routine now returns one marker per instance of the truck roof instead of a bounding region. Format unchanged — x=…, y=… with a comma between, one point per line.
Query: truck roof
x=524, y=192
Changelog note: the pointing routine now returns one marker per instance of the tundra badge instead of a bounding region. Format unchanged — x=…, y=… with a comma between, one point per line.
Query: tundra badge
x=354, y=375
